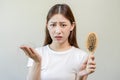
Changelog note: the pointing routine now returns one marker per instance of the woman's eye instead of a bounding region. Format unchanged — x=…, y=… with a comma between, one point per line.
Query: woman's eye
x=63, y=25
x=52, y=25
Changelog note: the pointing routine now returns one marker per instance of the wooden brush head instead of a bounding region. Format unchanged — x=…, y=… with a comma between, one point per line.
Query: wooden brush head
x=91, y=42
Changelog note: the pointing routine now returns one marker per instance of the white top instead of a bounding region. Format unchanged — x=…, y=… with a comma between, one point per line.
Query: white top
x=62, y=65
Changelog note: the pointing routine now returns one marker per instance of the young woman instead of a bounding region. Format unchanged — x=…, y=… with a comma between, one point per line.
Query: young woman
x=60, y=58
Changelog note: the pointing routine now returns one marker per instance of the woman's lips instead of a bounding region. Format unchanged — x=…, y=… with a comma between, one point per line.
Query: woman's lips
x=58, y=37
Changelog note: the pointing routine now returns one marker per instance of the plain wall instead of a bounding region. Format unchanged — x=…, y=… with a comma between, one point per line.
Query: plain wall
x=23, y=22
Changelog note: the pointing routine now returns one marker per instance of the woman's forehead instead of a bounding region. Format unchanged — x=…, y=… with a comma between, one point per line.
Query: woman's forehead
x=58, y=18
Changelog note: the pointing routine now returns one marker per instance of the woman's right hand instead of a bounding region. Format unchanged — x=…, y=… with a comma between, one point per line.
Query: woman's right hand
x=32, y=53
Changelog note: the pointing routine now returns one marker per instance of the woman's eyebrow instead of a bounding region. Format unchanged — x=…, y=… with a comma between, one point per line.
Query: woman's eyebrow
x=58, y=22
x=62, y=22
x=53, y=22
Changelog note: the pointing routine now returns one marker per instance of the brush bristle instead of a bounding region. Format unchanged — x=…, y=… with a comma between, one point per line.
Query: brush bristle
x=91, y=43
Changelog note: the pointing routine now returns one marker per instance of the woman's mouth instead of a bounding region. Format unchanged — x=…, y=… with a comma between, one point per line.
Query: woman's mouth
x=58, y=37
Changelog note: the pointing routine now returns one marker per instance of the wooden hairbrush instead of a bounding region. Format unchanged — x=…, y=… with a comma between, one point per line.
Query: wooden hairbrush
x=91, y=42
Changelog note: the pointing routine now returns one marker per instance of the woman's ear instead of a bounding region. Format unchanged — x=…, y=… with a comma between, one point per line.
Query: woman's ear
x=72, y=26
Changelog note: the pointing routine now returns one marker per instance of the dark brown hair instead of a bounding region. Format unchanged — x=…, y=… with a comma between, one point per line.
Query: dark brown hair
x=64, y=10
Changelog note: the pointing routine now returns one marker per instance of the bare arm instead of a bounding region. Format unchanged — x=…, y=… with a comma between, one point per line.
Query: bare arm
x=83, y=78
x=79, y=77
x=34, y=71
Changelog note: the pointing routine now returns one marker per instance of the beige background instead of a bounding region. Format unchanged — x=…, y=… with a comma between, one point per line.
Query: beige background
x=23, y=22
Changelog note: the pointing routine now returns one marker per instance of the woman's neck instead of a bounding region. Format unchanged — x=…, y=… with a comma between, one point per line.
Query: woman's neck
x=60, y=47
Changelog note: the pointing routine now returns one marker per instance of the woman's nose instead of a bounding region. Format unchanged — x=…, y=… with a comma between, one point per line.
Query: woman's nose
x=57, y=30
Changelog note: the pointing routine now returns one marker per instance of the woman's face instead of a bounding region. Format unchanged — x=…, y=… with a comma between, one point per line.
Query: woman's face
x=59, y=28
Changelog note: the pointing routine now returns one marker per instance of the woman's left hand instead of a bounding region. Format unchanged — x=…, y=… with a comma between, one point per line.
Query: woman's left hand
x=88, y=66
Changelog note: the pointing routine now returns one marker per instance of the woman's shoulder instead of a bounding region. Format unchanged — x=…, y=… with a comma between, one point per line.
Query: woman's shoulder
x=79, y=51
x=80, y=55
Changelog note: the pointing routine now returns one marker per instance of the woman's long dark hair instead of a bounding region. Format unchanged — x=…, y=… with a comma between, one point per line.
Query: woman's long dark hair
x=64, y=10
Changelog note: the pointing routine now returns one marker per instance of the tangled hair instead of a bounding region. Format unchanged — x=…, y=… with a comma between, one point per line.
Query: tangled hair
x=64, y=10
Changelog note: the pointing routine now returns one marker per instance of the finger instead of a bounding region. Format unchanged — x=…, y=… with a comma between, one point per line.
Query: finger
x=29, y=51
x=91, y=67
x=91, y=63
x=91, y=60
x=32, y=50
x=26, y=52
x=83, y=72
x=91, y=71
x=92, y=57
x=22, y=47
